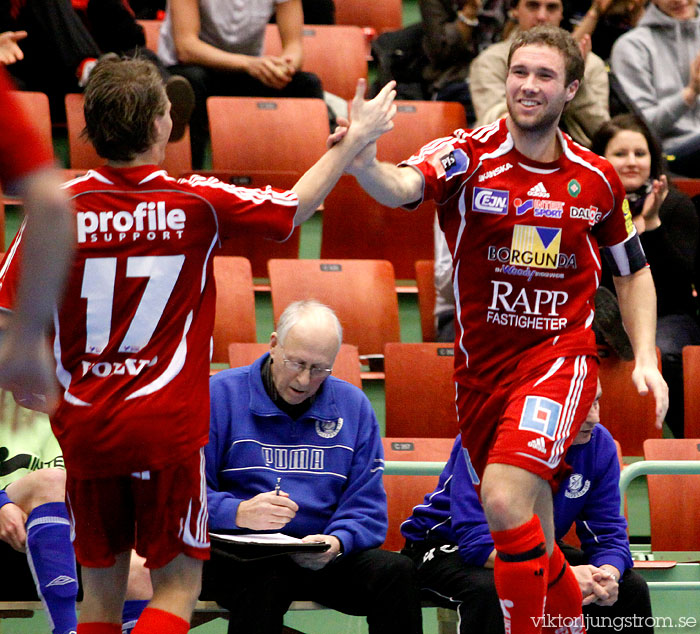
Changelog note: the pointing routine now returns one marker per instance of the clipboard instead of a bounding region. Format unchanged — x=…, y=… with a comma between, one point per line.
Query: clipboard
x=251, y=546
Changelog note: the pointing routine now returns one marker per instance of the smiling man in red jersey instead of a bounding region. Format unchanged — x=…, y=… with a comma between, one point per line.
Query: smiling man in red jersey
x=524, y=211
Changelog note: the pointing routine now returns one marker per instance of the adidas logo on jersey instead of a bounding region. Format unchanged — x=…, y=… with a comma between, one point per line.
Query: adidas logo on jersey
x=539, y=190
x=538, y=444
x=61, y=580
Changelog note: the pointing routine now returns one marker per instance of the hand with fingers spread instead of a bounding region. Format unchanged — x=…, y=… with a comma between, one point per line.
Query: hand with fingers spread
x=266, y=511
x=369, y=118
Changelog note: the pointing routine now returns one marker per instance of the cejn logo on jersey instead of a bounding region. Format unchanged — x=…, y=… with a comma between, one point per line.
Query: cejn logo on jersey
x=490, y=201
x=147, y=220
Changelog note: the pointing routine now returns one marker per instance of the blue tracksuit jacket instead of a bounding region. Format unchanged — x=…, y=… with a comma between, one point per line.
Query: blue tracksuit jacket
x=590, y=497
x=330, y=460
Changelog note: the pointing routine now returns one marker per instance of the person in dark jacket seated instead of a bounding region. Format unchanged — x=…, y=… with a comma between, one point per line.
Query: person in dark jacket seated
x=448, y=538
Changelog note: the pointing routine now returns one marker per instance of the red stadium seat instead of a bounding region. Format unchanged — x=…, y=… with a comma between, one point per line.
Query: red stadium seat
x=419, y=390
x=337, y=54
x=674, y=500
x=235, y=305
x=403, y=492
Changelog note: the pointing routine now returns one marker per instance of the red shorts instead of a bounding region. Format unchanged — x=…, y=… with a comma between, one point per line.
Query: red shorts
x=530, y=422
x=159, y=513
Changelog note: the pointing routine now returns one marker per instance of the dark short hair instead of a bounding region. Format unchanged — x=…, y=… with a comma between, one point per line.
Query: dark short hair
x=557, y=38
x=123, y=98
x=611, y=128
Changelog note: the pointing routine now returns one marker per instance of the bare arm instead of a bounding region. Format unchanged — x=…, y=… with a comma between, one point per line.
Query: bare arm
x=637, y=299
x=25, y=366
x=190, y=49
x=290, y=22
x=388, y=184
x=370, y=119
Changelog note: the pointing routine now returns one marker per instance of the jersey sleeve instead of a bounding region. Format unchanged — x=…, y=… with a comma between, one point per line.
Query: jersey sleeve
x=268, y=212
x=22, y=150
x=441, y=163
x=617, y=237
x=615, y=224
x=10, y=273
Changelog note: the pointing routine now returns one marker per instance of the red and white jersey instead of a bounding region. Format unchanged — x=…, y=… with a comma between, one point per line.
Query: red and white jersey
x=132, y=340
x=524, y=240
x=22, y=150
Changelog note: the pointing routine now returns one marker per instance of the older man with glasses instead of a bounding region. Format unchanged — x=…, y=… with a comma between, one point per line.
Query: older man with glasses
x=295, y=450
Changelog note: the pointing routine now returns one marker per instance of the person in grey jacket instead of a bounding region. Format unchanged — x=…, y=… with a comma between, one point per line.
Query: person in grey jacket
x=658, y=66
x=586, y=112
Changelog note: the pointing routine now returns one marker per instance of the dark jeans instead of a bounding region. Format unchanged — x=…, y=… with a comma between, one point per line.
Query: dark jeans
x=378, y=584
x=673, y=332
x=207, y=82
x=448, y=581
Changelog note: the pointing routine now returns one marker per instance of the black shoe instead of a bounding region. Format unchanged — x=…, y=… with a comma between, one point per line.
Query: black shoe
x=181, y=97
x=608, y=321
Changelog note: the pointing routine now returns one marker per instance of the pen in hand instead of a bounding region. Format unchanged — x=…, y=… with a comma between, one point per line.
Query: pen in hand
x=277, y=486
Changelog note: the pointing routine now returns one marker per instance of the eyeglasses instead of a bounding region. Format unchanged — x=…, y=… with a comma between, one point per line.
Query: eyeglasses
x=298, y=367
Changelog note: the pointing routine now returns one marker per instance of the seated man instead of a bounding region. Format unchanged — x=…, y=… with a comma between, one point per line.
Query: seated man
x=218, y=47
x=449, y=540
x=586, y=112
x=658, y=65
x=285, y=420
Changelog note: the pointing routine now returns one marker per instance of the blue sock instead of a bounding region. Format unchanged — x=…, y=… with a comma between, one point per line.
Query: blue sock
x=131, y=613
x=52, y=561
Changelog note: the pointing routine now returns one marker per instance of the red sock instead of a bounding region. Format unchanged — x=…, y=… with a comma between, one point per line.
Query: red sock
x=563, y=607
x=155, y=621
x=520, y=573
x=99, y=628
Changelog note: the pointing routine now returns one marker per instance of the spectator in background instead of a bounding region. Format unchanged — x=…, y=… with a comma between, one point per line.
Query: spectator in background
x=582, y=116
x=54, y=50
x=448, y=538
x=430, y=60
x=604, y=21
x=284, y=420
x=658, y=66
x=667, y=224
x=218, y=47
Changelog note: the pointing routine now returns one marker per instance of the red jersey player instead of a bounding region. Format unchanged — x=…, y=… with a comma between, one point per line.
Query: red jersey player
x=524, y=210
x=132, y=339
x=26, y=170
